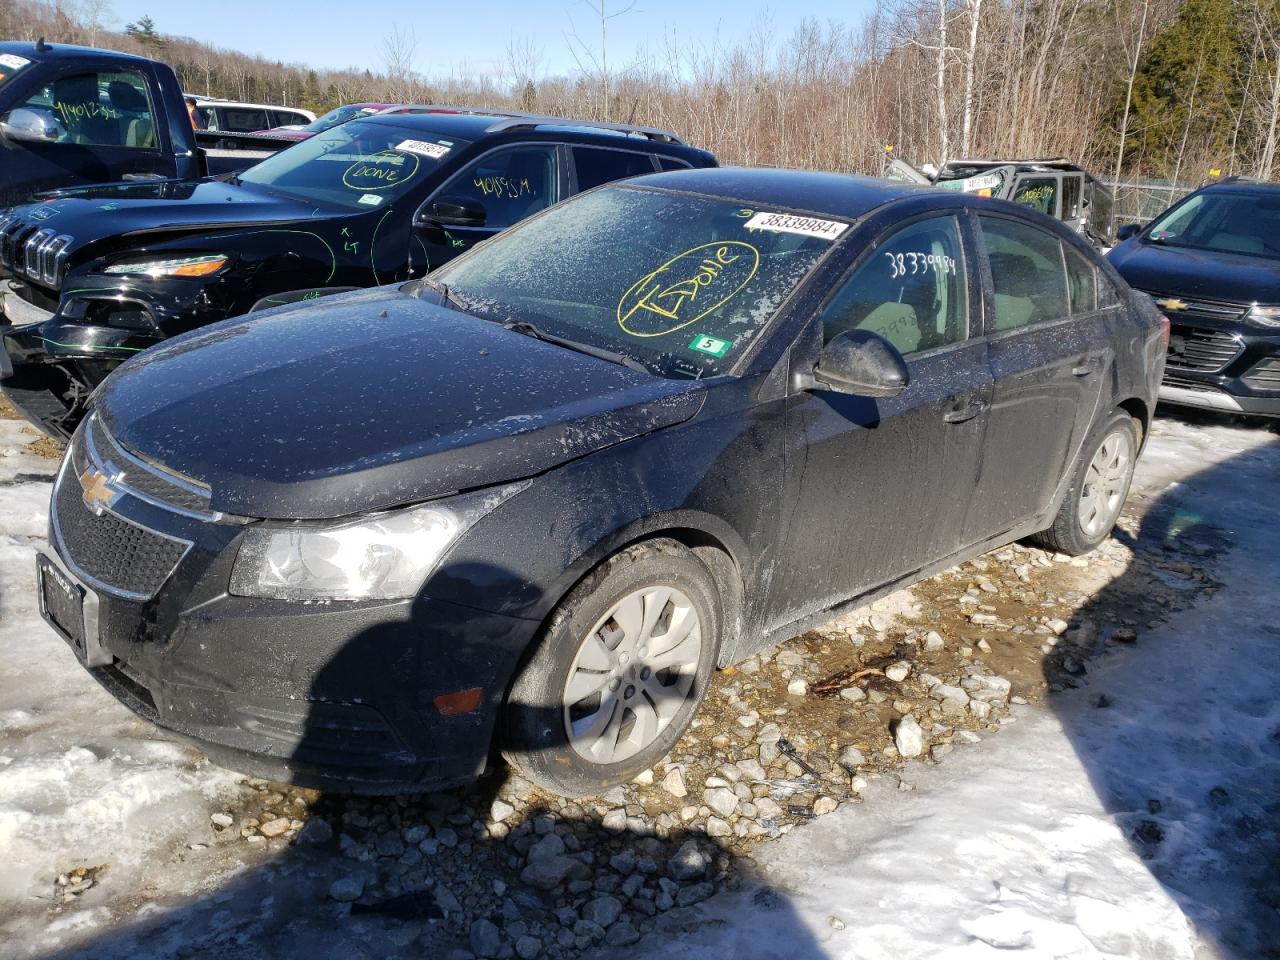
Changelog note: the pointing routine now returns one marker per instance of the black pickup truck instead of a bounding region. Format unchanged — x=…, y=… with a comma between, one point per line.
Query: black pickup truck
x=99, y=274
x=71, y=116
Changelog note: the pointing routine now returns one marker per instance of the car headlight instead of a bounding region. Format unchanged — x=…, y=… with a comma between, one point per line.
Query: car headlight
x=1267, y=316
x=381, y=557
x=195, y=266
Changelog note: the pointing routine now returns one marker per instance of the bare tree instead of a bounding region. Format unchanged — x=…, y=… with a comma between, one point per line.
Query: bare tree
x=1133, y=58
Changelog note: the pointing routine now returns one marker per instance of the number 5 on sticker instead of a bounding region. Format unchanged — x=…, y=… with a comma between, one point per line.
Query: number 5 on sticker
x=712, y=345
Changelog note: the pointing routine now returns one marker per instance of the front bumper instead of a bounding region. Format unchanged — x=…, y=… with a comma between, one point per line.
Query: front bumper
x=336, y=695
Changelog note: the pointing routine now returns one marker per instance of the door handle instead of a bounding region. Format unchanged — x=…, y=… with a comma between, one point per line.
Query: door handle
x=965, y=411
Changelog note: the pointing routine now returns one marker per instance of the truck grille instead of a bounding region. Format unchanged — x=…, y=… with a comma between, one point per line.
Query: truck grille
x=27, y=250
x=1200, y=348
x=1264, y=375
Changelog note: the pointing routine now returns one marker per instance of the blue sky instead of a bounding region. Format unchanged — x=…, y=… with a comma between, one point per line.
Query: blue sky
x=457, y=35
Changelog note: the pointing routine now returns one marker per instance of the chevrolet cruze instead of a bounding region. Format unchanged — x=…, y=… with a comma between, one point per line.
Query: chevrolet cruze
x=532, y=501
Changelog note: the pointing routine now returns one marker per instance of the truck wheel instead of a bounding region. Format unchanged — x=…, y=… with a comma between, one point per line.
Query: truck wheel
x=621, y=670
x=1098, y=489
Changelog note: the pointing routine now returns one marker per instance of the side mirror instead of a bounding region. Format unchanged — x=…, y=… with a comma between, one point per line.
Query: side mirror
x=1127, y=230
x=861, y=363
x=452, y=212
x=29, y=126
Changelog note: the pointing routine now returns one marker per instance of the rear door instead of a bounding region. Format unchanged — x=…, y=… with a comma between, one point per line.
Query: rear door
x=880, y=484
x=1050, y=349
x=105, y=122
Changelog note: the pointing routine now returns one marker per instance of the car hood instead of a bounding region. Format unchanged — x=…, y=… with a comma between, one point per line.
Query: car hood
x=369, y=400
x=1182, y=272
x=91, y=214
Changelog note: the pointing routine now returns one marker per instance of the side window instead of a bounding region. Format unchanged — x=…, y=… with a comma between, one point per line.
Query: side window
x=1038, y=193
x=910, y=290
x=671, y=163
x=1071, y=197
x=241, y=120
x=99, y=108
x=1027, y=273
x=595, y=167
x=207, y=117
x=509, y=184
x=1081, y=283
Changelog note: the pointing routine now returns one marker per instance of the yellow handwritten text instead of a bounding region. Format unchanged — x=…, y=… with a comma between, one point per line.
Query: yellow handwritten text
x=687, y=287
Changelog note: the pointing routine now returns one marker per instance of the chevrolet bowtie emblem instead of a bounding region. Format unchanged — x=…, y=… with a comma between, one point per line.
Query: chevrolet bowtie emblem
x=1172, y=303
x=99, y=494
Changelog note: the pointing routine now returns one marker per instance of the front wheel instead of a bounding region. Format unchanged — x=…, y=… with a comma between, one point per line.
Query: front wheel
x=620, y=672
x=1098, y=489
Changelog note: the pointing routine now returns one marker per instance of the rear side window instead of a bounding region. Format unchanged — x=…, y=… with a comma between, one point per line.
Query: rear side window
x=910, y=290
x=1027, y=273
x=241, y=120
x=1081, y=278
x=604, y=166
x=1071, y=198
x=98, y=108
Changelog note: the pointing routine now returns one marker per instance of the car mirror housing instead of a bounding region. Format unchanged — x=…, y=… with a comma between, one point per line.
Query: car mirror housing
x=29, y=126
x=861, y=363
x=1127, y=230
x=453, y=212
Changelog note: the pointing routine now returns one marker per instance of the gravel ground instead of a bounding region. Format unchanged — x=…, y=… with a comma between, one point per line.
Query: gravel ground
x=124, y=843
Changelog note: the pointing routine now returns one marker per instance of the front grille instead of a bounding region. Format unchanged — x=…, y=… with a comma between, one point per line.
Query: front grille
x=1200, y=348
x=118, y=556
x=1191, y=309
x=1264, y=375
x=145, y=480
x=1173, y=380
x=26, y=249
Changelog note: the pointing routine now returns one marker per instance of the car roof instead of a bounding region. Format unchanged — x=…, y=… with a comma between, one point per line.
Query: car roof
x=471, y=123
x=245, y=103
x=1242, y=185
x=52, y=51
x=838, y=194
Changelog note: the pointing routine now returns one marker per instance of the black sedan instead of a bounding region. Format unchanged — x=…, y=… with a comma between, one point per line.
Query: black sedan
x=540, y=496
x=1212, y=263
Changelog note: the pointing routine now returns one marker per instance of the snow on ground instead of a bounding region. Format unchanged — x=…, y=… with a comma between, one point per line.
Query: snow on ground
x=1145, y=828
x=83, y=782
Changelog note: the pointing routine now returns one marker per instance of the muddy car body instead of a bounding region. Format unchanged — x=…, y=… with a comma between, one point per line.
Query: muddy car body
x=543, y=493
x=100, y=274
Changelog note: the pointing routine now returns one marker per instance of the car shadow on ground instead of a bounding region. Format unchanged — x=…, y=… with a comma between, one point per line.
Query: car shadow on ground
x=1180, y=728
x=493, y=869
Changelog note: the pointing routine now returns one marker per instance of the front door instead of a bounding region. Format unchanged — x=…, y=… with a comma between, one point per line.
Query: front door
x=105, y=127
x=1051, y=350
x=508, y=183
x=876, y=489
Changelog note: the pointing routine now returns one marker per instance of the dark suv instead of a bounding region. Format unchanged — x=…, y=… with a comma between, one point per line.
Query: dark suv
x=100, y=274
x=1212, y=263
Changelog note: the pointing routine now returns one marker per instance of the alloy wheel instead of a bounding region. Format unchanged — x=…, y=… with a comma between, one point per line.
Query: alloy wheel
x=1105, y=484
x=633, y=672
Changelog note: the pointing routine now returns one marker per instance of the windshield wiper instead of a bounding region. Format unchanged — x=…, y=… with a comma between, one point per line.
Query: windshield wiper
x=447, y=296
x=591, y=350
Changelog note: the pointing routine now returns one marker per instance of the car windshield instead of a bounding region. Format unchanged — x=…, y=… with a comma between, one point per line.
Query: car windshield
x=338, y=115
x=10, y=65
x=357, y=165
x=1246, y=222
x=683, y=284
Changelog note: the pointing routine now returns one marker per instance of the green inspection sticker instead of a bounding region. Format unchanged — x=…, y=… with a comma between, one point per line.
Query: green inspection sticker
x=712, y=345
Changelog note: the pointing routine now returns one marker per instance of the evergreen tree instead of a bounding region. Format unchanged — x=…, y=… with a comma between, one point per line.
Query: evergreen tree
x=144, y=31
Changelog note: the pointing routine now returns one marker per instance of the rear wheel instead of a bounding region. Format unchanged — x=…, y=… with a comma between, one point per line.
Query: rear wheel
x=621, y=670
x=1098, y=489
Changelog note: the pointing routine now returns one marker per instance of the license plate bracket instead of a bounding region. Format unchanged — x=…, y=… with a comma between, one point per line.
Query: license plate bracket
x=71, y=609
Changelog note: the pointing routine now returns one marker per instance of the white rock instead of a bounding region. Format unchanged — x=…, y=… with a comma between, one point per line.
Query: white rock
x=824, y=805
x=1059, y=627
x=673, y=783
x=499, y=810
x=798, y=688
x=933, y=640
x=908, y=737
x=897, y=672
x=721, y=800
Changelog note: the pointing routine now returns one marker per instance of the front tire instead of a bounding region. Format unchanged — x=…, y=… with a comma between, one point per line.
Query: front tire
x=621, y=670
x=1098, y=489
